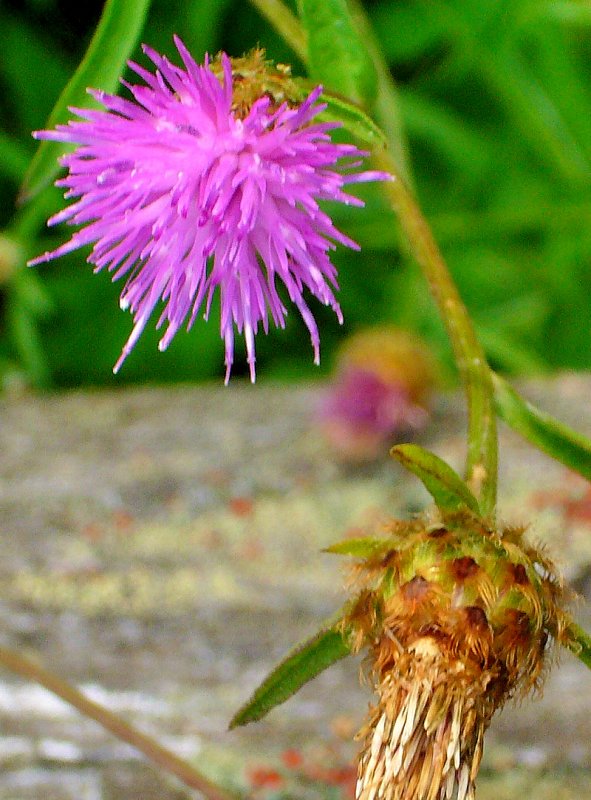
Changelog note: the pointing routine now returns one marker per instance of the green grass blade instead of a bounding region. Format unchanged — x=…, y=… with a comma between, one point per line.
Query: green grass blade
x=337, y=56
x=301, y=665
x=115, y=38
x=14, y=158
x=553, y=437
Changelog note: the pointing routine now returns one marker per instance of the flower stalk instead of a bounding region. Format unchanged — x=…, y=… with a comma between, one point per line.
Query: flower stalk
x=481, y=462
x=157, y=754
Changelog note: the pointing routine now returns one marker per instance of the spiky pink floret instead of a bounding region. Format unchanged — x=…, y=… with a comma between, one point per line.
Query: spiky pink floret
x=180, y=195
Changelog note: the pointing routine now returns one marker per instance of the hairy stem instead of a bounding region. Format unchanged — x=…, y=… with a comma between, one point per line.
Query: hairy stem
x=578, y=642
x=157, y=754
x=481, y=462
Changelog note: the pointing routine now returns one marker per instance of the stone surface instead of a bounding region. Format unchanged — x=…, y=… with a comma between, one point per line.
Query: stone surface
x=162, y=550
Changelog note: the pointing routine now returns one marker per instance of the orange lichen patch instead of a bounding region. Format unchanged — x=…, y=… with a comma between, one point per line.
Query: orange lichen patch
x=252, y=549
x=344, y=777
x=573, y=501
x=241, y=506
x=123, y=521
x=264, y=778
x=323, y=772
x=93, y=532
x=293, y=759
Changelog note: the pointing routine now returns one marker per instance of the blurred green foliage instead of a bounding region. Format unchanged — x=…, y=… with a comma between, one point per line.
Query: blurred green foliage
x=495, y=97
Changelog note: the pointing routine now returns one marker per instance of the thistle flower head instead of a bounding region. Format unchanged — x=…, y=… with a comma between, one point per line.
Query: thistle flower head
x=209, y=177
x=383, y=380
x=457, y=619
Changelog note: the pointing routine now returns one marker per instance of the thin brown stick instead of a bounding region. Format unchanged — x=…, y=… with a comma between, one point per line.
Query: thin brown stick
x=157, y=754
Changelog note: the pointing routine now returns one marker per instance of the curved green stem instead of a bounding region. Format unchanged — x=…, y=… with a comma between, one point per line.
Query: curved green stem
x=159, y=755
x=481, y=462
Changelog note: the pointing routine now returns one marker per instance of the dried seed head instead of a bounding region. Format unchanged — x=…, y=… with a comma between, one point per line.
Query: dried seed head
x=424, y=738
x=457, y=619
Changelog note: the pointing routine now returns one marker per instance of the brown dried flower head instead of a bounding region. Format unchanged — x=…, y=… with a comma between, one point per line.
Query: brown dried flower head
x=458, y=619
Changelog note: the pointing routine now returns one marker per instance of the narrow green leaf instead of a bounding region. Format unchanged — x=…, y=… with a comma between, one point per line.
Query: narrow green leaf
x=362, y=547
x=32, y=293
x=351, y=116
x=353, y=119
x=447, y=488
x=115, y=38
x=578, y=642
x=27, y=343
x=14, y=158
x=569, y=12
x=337, y=55
x=301, y=665
x=553, y=437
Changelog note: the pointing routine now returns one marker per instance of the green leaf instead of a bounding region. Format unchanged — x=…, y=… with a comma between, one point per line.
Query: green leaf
x=553, y=437
x=25, y=338
x=301, y=665
x=447, y=488
x=337, y=55
x=353, y=119
x=31, y=293
x=115, y=38
x=569, y=12
x=350, y=115
x=14, y=158
x=362, y=547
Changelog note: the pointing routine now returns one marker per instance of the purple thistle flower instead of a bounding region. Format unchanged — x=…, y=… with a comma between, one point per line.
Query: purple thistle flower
x=181, y=194
x=383, y=380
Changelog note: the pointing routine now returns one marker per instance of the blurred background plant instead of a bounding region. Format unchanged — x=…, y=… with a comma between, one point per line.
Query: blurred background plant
x=496, y=102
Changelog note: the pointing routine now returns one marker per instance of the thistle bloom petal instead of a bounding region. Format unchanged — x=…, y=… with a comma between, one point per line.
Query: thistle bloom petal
x=180, y=194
